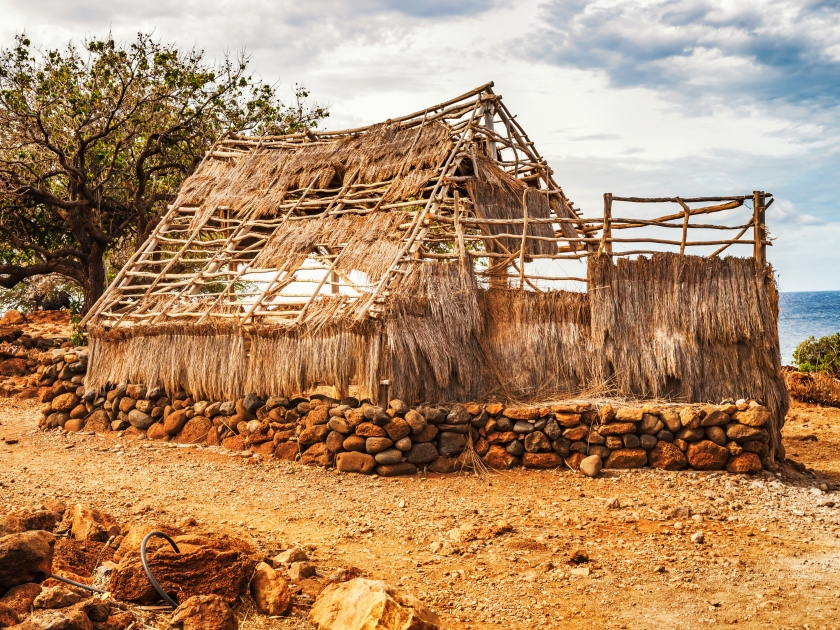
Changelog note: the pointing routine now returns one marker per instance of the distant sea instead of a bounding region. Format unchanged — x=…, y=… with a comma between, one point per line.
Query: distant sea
x=806, y=314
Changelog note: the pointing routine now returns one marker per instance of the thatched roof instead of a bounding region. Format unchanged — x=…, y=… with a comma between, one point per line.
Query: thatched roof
x=307, y=229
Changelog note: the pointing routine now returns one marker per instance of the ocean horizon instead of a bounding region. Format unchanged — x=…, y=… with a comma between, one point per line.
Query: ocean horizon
x=804, y=314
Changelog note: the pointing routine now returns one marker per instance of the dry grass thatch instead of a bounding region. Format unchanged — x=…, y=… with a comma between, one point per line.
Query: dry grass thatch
x=206, y=360
x=812, y=387
x=498, y=195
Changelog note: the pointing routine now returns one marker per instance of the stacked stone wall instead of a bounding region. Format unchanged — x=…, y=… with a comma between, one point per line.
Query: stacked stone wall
x=356, y=436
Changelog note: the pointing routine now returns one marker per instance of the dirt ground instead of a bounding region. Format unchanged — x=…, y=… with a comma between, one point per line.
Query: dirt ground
x=769, y=556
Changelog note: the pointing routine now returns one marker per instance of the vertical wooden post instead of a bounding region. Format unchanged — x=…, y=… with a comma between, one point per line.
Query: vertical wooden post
x=524, y=242
x=759, y=248
x=606, y=234
x=489, y=124
x=459, y=230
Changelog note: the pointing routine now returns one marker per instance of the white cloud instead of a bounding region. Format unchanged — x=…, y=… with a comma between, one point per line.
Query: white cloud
x=657, y=98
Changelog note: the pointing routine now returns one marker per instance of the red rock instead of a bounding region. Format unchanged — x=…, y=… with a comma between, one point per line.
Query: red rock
x=714, y=418
x=397, y=429
x=428, y=434
x=175, y=421
x=522, y=413
x=394, y=470
x=234, y=443
x=314, y=434
x=25, y=557
x=756, y=416
x=64, y=402
x=317, y=454
x=98, y=422
x=265, y=449
x=706, y=455
x=481, y=447
x=574, y=460
x=442, y=465
x=567, y=420
x=361, y=604
x=368, y=429
x=287, y=450
x=207, y=565
x=78, y=412
x=626, y=458
x=494, y=409
x=270, y=591
x=500, y=437
x=92, y=524
x=28, y=519
x=628, y=414
x=355, y=443
x=317, y=416
x=195, y=430
x=745, y=463
x=156, y=432
x=8, y=617
x=499, y=459
x=204, y=612
x=13, y=367
x=617, y=428
x=541, y=460
x=20, y=598
x=576, y=433
x=355, y=462
x=213, y=438
x=74, y=426
x=666, y=456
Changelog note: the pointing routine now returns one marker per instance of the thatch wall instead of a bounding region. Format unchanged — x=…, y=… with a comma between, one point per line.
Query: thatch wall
x=689, y=328
x=206, y=360
x=671, y=327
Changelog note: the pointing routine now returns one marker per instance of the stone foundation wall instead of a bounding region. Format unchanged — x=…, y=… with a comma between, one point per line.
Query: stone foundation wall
x=356, y=436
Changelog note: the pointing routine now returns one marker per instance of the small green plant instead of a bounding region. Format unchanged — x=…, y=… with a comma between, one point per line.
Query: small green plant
x=77, y=335
x=819, y=355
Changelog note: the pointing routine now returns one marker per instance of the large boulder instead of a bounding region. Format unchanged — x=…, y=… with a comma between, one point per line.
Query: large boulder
x=361, y=604
x=25, y=557
x=207, y=565
x=270, y=591
x=204, y=612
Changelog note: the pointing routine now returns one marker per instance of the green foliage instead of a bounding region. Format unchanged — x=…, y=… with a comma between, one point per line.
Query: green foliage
x=819, y=355
x=49, y=292
x=95, y=140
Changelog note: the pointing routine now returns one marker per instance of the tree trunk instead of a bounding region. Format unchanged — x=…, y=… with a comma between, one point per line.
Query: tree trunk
x=94, y=284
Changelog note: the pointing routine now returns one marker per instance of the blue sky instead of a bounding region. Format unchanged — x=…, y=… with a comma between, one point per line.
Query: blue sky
x=682, y=97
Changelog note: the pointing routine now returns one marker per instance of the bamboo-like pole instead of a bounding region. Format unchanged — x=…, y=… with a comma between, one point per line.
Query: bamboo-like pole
x=606, y=234
x=759, y=250
x=686, y=215
x=524, y=242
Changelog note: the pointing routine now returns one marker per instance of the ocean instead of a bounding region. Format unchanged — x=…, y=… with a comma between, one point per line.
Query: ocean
x=806, y=314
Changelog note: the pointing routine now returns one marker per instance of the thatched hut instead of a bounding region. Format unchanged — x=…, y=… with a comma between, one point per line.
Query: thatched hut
x=409, y=257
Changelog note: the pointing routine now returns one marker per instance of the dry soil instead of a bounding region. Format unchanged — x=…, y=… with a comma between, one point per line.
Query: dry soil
x=768, y=556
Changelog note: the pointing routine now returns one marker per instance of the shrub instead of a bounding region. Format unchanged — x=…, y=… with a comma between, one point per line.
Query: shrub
x=819, y=355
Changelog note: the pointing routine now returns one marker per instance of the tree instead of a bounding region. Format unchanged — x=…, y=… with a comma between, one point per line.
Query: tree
x=819, y=355
x=95, y=140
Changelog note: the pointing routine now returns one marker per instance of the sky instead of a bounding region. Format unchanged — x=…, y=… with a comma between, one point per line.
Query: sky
x=637, y=98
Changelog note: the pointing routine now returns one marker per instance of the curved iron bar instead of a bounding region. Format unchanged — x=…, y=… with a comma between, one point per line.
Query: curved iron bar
x=148, y=571
x=79, y=584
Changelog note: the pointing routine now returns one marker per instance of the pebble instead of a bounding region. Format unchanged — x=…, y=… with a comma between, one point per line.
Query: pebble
x=698, y=538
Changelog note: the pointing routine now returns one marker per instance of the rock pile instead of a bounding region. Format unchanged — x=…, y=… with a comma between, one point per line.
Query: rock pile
x=357, y=436
x=206, y=577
